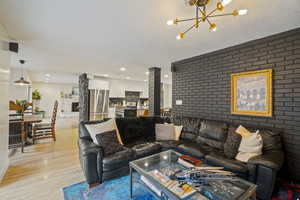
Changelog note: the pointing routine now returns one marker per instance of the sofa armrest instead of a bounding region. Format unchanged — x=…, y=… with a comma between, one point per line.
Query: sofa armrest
x=88, y=147
x=90, y=156
x=271, y=159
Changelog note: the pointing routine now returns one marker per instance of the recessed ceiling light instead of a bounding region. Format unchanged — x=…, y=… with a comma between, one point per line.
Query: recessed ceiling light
x=145, y=80
x=166, y=76
x=105, y=75
x=123, y=69
x=128, y=78
x=147, y=73
x=47, y=75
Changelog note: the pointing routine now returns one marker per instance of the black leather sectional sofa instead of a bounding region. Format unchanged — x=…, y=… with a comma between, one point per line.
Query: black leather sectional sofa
x=203, y=139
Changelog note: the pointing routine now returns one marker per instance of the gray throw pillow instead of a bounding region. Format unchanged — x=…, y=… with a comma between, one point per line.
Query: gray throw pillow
x=164, y=132
x=232, y=144
x=109, y=142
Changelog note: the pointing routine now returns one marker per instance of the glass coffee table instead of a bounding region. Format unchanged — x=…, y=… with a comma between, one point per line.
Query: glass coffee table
x=167, y=163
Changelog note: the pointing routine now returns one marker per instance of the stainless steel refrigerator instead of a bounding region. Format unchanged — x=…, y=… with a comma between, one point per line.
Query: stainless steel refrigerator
x=99, y=101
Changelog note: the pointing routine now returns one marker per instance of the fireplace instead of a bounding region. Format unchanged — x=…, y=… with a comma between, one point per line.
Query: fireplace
x=75, y=106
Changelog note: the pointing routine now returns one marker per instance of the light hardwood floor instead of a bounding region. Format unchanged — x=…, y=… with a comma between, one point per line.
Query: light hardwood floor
x=43, y=170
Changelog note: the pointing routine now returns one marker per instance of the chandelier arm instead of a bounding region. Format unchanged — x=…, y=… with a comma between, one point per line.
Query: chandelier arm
x=185, y=20
x=211, y=12
x=189, y=29
x=221, y=15
x=203, y=14
x=208, y=21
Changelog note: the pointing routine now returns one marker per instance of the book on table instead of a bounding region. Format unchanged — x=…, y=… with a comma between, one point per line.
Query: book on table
x=181, y=190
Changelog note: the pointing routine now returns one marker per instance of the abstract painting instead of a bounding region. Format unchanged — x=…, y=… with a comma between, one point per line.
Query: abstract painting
x=251, y=93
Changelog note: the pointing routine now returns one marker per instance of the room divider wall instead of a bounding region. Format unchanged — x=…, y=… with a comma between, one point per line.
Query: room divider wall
x=203, y=84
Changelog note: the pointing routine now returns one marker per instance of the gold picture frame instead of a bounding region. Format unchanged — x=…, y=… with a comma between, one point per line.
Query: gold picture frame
x=251, y=93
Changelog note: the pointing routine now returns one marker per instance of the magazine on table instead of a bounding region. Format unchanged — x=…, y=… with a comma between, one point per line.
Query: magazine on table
x=181, y=190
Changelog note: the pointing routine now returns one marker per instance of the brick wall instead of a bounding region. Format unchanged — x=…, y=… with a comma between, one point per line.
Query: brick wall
x=203, y=84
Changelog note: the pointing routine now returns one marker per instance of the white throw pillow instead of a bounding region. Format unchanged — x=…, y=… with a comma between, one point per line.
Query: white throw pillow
x=177, y=132
x=251, y=144
x=102, y=127
x=164, y=132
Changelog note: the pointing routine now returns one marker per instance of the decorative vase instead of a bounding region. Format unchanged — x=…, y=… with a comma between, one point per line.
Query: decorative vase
x=35, y=105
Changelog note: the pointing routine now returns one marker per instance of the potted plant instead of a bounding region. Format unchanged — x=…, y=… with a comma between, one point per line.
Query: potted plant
x=24, y=104
x=36, y=97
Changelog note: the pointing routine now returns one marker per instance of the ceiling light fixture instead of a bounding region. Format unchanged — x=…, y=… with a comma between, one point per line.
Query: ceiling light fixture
x=202, y=15
x=105, y=75
x=47, y=75
x=147, y=73
x=128, y=78
x=166, y=76
x=22, y=80
x=123, y=69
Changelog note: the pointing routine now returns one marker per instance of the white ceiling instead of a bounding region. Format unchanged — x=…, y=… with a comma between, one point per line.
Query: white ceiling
x=97, y=36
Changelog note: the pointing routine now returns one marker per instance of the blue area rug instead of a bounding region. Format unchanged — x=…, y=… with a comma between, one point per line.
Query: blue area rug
x=116, y=189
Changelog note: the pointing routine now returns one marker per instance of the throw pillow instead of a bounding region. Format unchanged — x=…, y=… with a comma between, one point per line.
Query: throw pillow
x=251, y=145
x=109, y=142
x=232, y=144
x=242, y=131
x=102, y=127
x=164, y=132
x=177, y=132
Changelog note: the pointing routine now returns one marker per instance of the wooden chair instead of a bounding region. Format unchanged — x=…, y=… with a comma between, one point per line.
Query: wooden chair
x=45, y=129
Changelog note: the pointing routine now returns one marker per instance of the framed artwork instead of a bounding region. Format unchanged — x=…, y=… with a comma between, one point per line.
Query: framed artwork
x=251, y=93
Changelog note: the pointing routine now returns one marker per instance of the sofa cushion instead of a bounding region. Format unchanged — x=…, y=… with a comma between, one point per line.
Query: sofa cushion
x=271, y=140
x=83, y=132
x=212, y=143
x=102, y=127
x=194, y=149
x=164, y=132
x=109, y=142
x=177, y=132
x=251, y=146
x=232, y=144
x=219, y=159
x=118, y=159
x=213, y=130
x=145, y=149
x=190, y=128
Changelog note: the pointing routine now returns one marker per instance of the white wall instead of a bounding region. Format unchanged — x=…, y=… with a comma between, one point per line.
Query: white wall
x=167, y=95
x=4, y=86
x=51, y=92
x=20, y=92
x=118, y=87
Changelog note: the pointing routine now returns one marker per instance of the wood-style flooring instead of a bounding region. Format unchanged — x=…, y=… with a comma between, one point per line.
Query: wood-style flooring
x=43, y=170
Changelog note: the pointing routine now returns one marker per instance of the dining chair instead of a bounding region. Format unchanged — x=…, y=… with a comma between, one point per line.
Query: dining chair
x=45, y=129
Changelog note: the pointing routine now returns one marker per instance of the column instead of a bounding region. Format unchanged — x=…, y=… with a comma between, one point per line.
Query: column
x=154, y=91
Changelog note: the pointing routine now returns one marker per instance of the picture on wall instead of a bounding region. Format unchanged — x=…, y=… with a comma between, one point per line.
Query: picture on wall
x=251, y=93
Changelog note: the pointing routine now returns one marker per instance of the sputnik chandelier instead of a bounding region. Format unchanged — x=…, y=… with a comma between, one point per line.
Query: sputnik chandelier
x=202, y=15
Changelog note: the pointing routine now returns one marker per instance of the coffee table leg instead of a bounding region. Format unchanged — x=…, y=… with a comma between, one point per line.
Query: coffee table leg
x=131, y=184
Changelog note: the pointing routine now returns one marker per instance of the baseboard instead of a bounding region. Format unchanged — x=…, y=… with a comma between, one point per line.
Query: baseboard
x=3, y=170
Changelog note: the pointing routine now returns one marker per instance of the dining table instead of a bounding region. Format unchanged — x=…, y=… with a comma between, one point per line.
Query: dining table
x=25, y=122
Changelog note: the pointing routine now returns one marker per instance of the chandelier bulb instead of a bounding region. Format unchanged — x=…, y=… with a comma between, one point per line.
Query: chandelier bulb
x=243, y=12
x=213, y=27
x=172, y=22
x=239, y=12
x=180, y=36
x=225, y=2
x=220, y=7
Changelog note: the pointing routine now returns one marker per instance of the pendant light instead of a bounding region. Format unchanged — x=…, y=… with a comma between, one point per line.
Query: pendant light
x=22, y=80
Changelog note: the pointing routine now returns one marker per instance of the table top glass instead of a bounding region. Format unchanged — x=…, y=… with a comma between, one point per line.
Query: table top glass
x=169, y=160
